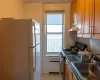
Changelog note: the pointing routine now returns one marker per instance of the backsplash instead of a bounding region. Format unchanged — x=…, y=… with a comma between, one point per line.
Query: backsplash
x=94, y=45
x=84, y=41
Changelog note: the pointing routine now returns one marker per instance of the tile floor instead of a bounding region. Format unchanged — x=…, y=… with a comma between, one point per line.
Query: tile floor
x=44, y=77
x=51, y=77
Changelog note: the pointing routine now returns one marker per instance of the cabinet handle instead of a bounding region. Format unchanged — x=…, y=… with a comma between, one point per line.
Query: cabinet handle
x=93, y=17
x=89, y=17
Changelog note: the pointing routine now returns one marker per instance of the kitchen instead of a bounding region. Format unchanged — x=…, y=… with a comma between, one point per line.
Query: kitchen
x=81, y=16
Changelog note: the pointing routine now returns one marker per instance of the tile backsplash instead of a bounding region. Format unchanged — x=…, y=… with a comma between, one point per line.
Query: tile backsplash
x=84, y=41
x=94, y=45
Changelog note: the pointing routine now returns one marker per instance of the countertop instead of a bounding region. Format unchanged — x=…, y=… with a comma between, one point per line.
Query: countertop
x=79, y=76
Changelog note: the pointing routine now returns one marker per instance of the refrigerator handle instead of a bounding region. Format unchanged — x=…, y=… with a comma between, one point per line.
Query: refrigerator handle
x=37, y=44
x=33, y=47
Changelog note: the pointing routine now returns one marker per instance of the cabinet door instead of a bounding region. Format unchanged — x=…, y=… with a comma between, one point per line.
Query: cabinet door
x=87, y=15
x=70, y=73
x=96, y=24
x=74, y=77
x=80, y=17
x=66, y=72
x=73, y=13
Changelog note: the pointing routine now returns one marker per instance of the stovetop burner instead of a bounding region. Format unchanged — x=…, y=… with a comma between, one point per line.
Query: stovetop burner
x=71, y=51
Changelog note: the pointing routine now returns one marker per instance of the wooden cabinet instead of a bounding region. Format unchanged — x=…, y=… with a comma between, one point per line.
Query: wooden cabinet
x=80, y=17
x=69, y=74
x=73, y=12
x=66, y=72
x=74, y=77
x=96, y=19
x=87, y=18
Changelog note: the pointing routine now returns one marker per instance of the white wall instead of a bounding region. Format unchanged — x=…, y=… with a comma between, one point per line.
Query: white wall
x=37, y=10
x=11, y=8
x=67, y=37
x=60, y=7
x=34, y=11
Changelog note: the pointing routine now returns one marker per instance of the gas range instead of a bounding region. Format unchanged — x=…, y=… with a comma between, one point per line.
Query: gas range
x=69, y=50
x=73, y=50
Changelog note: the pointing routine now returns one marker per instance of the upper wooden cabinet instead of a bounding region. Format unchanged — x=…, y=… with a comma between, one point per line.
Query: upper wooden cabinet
x=73, y=12
x=88, y=18
x=80, y=17
x=96, y=19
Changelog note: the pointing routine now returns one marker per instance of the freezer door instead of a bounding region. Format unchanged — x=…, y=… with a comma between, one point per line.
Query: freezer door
x=32, y=42
x=32, y=34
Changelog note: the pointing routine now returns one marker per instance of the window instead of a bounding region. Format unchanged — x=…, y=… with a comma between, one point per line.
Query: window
x=54, y=32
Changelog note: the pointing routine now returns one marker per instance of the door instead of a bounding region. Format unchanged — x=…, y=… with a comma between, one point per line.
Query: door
x=37, y=36
x=15, y=47
x=66, y=71
x=96, y=19
x=73, y=13
x=80, y=17
x=74, y=76
x=87, y=19
x=37, y=51
x=32, y=48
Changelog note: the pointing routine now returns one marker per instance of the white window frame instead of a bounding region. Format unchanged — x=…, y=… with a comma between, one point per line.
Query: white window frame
x=46, y=33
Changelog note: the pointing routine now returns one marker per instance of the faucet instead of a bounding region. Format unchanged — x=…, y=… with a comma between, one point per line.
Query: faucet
x=94, y=57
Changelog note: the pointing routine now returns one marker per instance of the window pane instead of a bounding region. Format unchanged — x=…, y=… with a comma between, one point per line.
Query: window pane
x=54, y=42
x=54, y=28
x=54, y=19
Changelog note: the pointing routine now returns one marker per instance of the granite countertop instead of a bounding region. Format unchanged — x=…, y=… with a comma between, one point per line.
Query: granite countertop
x=80, y=76
x=77, y=74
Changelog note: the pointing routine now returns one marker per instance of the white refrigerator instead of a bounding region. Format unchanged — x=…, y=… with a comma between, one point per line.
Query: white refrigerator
x=17, y=49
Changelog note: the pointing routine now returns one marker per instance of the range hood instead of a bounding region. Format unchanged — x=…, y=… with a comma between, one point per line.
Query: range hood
x=74, y=29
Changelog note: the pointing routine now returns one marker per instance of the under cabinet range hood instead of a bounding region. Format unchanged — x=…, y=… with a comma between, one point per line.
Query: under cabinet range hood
x=74, y=29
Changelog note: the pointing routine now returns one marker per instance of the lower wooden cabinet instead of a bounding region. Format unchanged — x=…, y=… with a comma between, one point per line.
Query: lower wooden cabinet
x=74, y=77
x=69, y=74
x=66, y=72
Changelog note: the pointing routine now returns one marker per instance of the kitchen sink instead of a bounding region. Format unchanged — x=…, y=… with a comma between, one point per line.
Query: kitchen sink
x=82, y=67
x=86, y=71
x=73, y=58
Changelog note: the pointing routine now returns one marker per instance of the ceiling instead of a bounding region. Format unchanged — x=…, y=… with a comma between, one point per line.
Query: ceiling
x=47, y=1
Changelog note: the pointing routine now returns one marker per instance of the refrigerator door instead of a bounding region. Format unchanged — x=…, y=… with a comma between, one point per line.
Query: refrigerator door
x=32, y=41
x=15, y=47
x=32, y=36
